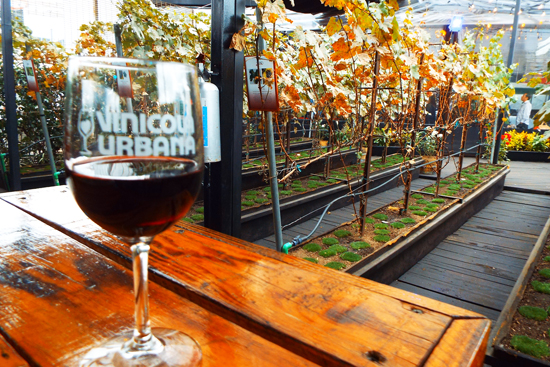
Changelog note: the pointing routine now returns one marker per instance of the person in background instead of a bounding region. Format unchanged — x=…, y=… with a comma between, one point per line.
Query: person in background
x=522, y=119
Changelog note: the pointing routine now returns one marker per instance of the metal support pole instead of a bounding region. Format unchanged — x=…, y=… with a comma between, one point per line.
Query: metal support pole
x=413, y=137
x=462, y=146
x=118, y=39
x=444, y=121
x=500, y=122
x=9, y=96
x=366, y=172
x=47, y=139
x=222, y=199
x=272, y=161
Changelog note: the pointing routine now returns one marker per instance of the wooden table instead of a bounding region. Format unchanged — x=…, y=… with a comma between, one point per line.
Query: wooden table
x=65, y=287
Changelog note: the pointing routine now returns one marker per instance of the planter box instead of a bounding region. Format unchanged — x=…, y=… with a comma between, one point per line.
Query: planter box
x=511, y=357
x=253, y=178
x=514, y=155
x=257, y=222
x=259, y=152
x=391, y=261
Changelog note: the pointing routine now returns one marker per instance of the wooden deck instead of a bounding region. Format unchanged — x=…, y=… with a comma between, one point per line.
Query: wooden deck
x=477, y=266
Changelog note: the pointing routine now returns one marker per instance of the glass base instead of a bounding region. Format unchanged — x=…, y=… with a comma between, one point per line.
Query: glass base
x=177, y=350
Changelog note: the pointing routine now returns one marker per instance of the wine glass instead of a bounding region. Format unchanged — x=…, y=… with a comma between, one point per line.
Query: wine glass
x=134, y=162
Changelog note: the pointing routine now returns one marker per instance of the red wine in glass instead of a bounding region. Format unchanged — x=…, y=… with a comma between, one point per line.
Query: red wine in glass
x=135, y=196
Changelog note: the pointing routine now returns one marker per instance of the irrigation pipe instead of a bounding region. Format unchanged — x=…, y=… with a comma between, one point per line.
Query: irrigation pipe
x=298, y=239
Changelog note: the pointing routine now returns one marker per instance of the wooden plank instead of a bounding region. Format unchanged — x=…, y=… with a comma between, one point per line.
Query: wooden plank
x=463, y=344
x=59, y=299
x=453, y=290
x=464, y=282
x=9, y=357
x=500, y=247
x=418, y=289
x=475, y=239
x=499, y=259
x=470, y=265
x=487, y=249
x=216, y=274
x=476, y=271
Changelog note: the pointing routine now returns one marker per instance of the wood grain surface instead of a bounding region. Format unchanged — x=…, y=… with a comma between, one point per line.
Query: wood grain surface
x=9, y=357
x=324, y=316
x=59, y=298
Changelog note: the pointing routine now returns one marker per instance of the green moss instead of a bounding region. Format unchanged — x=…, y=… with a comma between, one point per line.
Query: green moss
x=189, y=220
x=533, y=347
x=315, y=261
x=431, y=209
x=414, y=207
x=382, y=238
x=546, y=258
x=417, y=196
x=420, y=213
x=359, y=245
x=541, y=287
x=200, y=209
x=369, y=220
x=331, y=181
x=312, y=247
x=381, y=226
x=312, y=185
x=266, y=189
x=432, y=205
x=327, y=253
x=321, y=184
x=339, y=248
x=335, y=265
x=397, y=225
x=260, y=200
x=314, y=178
x=197, y=217
x=535, y=313
x=268, y=196
x=381, y=231
x=341, y=233
x=449, y=193
x=247, y=165
x=545, y=272
x=422, y=202
x=355, y=225
x=438, y=201
x=285, y=192
x=429, y=189
x=280, y=186
x=247, y=203
x=350, y=256
x=408, y=220
x=252, y=192
x=454, y=187
x=380, y=216
x=444, y=182
x=299, y=189
x=329, y=241
x=250, y=197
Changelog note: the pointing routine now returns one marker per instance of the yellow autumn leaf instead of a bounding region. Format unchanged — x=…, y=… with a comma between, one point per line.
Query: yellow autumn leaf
x=333, y=26
x=238, y=42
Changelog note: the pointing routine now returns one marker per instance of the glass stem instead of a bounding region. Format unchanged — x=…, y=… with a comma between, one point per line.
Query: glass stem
x=142, y=333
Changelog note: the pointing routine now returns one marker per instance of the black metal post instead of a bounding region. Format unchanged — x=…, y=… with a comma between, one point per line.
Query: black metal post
x=500, y=122
x=413, y=138
x=372, y=116
x=9, y=96
x=118, y=39
x=222, y=197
